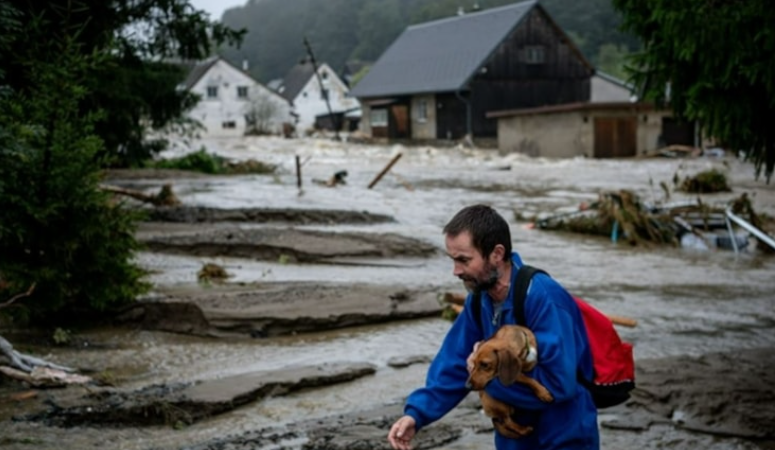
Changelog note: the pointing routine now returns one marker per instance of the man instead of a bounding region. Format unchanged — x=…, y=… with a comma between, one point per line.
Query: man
x=479, y=242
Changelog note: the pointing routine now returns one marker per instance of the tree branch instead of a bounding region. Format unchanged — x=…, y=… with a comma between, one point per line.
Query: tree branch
x=18, y=296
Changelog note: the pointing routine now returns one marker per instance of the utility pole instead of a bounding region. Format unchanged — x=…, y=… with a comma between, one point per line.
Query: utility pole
x=334, y=122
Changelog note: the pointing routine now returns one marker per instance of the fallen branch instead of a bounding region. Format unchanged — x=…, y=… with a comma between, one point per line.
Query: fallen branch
x=165, y=197
x=385, y=170
x=18, y=296
x=35, y=371
x=458, y=300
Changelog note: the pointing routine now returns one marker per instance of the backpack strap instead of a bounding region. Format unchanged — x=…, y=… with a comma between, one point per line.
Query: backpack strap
x=524, y=275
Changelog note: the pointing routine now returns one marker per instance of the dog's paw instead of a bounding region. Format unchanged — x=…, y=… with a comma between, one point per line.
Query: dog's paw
x=544, y=395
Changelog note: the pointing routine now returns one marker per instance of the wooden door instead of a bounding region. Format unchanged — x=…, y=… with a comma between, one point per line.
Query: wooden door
x=615, y=137
x=399, y=121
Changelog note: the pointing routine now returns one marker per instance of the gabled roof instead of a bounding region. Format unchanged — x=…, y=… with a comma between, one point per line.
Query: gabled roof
x=197, y=70
x=442, y=55
x=296, y=79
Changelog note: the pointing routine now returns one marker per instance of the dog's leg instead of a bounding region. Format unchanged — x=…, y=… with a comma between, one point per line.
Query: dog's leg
x=507, y=427
x=540, y=391
x=500, y=413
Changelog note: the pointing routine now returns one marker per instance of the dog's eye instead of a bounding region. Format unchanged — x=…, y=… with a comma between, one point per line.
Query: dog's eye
x=484, y=366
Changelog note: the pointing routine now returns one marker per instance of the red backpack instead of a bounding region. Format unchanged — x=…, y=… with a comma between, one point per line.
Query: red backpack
x=612, y=360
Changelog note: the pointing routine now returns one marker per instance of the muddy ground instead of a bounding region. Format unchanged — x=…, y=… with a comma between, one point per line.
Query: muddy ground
x=724, y=396
x=718, y=400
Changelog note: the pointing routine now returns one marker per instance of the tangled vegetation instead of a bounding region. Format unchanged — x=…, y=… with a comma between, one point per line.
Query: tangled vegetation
x=210, y=163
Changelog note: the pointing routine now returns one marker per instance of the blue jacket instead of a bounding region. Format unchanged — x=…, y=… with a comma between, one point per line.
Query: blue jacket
x=570, y=421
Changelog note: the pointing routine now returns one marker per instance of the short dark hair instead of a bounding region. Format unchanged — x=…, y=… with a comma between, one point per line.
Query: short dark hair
x=486, y=226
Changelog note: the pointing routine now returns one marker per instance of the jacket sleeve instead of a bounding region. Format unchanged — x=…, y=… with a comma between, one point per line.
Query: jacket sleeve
x=445, y=382
x=547, y=315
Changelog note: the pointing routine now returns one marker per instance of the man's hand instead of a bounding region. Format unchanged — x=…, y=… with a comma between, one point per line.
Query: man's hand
x=401, y=433
x=470, y=359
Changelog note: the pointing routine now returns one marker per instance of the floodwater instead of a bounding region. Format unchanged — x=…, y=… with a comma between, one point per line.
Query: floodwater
x=686, y=301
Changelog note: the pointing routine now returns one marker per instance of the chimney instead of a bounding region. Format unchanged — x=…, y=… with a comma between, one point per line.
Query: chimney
x=245, y=65
x=460, y=11
x=476, y=7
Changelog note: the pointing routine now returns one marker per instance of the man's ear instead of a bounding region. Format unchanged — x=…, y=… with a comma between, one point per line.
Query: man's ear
x=497, y=254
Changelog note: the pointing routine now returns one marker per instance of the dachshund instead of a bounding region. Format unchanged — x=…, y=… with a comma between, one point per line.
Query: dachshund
x=508, y=354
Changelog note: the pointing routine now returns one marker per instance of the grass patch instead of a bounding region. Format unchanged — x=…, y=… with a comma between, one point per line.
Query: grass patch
x=209, y=163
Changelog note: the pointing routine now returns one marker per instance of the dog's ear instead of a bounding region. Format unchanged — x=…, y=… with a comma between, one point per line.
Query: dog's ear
x=509, y=367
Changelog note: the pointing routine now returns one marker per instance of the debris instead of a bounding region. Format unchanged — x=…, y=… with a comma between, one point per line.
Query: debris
x=385, y=170
x=212, y=272
x=679, y=151
x=165, y=197
x=621, y=215
x=35, y=371
x=336, y=179
x=708, y=181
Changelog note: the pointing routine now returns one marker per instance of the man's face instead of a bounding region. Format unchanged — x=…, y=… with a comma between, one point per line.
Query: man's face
x=476, y=272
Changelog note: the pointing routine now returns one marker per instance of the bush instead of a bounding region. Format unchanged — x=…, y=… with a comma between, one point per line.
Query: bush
x=198, y=161
x=59, y=230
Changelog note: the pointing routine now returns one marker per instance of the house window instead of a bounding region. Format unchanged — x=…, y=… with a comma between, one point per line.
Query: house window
x=379, y=118
x=229, y=124
x=324, y=75
x=242, y=92
x=534, y=54
x=422, y=110
x=212, y=91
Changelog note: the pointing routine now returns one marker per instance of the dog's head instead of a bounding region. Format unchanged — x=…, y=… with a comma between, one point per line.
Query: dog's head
x=497, y=357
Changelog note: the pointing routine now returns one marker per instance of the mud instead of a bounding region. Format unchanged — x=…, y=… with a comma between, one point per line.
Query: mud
x=277, y=309
x=288, y=244
x=183, y=404
x=187, y=214
x=276, y=312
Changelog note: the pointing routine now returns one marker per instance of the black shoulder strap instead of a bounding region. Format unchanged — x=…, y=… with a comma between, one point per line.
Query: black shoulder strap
x=524, y=275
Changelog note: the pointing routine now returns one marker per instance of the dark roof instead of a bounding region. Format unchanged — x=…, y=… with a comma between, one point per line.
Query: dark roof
x=296, y=79
x=442, y=55
x=197, y=71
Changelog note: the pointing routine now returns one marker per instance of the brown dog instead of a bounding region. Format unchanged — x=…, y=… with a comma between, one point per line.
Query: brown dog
x=507, y=355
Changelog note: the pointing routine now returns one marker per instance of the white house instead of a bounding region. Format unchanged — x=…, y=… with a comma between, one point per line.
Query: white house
x=307, y=93
x=232, y=103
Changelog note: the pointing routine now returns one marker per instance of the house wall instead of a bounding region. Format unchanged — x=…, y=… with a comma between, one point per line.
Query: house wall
x=364, y=126
x=571, y=133
x=224, y=115
x=424, y=128
x=509, y=80
x=604, y=91
x=310, y=103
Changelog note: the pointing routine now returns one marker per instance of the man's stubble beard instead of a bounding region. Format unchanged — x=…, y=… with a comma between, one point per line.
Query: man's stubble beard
x=477, y=286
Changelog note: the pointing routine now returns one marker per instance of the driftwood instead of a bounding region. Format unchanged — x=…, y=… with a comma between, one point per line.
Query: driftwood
x=165, y=197
x=457, y=301
x=32, y=370
x=35, y=371
x=385, y=170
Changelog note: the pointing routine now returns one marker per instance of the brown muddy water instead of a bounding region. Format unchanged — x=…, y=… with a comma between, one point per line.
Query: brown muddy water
x=687, y=301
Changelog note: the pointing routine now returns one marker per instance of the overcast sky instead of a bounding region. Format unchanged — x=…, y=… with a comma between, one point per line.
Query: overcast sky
x=216, y=7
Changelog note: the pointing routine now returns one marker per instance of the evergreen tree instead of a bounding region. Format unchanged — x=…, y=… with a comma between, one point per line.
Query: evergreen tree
x=134, y=80
x=59, y=231
x=713, y=61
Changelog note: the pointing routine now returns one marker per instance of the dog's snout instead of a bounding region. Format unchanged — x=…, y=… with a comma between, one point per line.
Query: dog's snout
x=468, y=384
